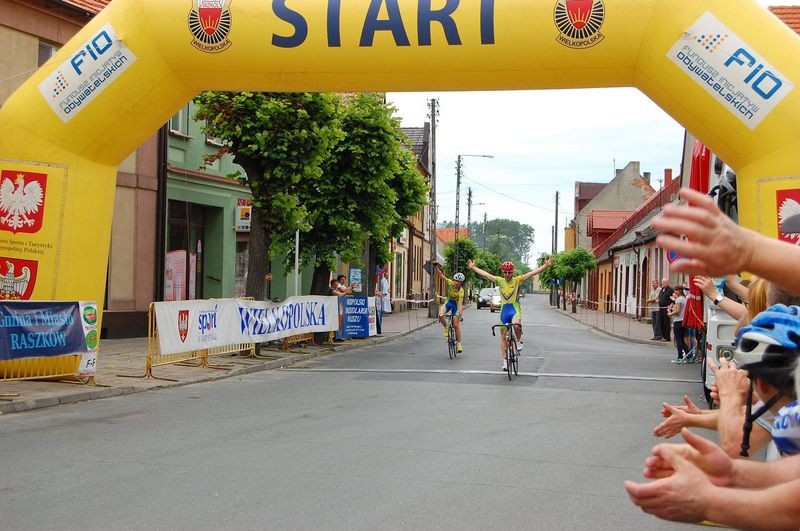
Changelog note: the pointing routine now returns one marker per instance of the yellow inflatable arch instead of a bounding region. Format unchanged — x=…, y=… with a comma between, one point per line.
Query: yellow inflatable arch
x=725, y=69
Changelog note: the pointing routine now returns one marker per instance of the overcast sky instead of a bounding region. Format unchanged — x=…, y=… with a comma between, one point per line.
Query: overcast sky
x=542, y=142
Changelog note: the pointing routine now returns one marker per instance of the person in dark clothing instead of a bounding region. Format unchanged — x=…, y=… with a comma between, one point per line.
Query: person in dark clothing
x=664, y=301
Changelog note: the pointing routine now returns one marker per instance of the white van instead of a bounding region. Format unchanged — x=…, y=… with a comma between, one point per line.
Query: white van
x=719, y=339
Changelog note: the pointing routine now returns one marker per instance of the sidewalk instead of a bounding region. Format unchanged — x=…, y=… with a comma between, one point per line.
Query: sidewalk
x=127, y=356
x=616, y=325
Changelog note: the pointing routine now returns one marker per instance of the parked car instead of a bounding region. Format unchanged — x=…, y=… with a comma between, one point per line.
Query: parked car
x=494, y=304
x=485, y=297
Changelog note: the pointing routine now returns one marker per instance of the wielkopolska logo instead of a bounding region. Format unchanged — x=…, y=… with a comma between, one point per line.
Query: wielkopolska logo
x=21, y=200
x=210, y=23
x=579, y=22
x=17, y=278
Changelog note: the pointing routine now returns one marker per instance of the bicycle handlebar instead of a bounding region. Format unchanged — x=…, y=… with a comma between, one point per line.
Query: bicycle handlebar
x=503, y=325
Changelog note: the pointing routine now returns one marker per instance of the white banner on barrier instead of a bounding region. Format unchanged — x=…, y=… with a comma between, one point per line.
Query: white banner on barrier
x=184, y=326
x=258, y=321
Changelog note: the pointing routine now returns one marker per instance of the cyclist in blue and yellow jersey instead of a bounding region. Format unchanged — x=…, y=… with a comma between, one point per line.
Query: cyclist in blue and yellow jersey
x=453, y=303
x=509, y=297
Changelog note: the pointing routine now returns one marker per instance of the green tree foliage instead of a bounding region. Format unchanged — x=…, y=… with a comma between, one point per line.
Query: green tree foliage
x=489, y=262
x=368, y=186
x=467, y=250
x=281, y=141
x=571, y=266
x=332, y=167
x=547, y=276
x=508, y=239
x=568, y=266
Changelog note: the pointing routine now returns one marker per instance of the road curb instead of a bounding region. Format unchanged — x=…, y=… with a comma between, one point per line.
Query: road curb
x=611, y=334
x=96, y=393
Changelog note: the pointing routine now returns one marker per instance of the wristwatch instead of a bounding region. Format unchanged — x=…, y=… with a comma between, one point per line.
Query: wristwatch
x=718, y=299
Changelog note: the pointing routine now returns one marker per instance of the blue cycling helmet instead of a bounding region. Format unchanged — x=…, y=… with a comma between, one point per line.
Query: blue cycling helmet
x=769, y=346
x=768, y=350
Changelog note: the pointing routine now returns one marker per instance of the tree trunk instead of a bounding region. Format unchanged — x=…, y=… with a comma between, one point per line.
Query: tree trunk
x=372, y=265
x=258, y=259
x=321, y=280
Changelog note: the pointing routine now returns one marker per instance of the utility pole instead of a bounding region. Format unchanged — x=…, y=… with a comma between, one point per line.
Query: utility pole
x=459, y=173
x=552, y=253
x=458, y=201
x=433, y=308
x=469, y=208
x=555, y=230
x=484, y=231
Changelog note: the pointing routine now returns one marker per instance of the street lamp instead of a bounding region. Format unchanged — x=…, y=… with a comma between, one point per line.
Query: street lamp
x=458, y=196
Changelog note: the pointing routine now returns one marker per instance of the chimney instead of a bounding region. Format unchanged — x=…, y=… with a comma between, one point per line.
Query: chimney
x=647, y=176
x=667, y=175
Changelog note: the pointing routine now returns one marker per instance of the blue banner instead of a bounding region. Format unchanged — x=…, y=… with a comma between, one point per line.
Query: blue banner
x=40, y=329
x=355, y=316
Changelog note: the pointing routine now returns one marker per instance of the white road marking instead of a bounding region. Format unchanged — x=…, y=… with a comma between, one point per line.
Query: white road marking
x=529, y=374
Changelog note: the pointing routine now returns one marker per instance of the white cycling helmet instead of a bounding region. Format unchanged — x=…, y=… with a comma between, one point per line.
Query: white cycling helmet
x=458, y=277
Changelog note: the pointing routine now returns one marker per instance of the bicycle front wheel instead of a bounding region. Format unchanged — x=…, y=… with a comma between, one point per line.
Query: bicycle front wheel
x=451, y=343
x=509, y=358
x=516, y=358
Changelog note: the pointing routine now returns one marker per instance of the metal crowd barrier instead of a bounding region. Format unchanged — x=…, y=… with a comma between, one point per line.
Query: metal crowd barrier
x=154, y=357
x=53, y=368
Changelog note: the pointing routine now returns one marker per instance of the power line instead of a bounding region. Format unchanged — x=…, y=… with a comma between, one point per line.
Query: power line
x=514, y=198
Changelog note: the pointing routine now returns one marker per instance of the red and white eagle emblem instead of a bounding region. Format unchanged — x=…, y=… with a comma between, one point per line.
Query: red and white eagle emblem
x=21, y=200
x=13, y=285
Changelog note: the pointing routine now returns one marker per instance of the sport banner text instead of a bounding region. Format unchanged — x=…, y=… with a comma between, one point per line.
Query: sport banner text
x=42, y=329
x=184, y=326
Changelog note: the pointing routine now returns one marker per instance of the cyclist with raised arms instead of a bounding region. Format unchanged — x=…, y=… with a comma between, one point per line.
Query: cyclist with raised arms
x=509, y=297
x=453, y=303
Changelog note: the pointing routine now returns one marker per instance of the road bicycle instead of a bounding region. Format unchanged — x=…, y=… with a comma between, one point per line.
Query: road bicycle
x=451, y=336
x=512, y=351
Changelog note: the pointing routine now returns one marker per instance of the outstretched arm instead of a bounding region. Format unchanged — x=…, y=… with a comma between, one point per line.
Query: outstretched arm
x=538, y=270
x=731, y=307
x=439, y=273
x=481, y=272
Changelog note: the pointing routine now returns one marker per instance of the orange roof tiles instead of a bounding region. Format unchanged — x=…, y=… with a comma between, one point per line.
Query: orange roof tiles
x=789, y=15
x=90, y=6
x=448, y=235
x=607, y=219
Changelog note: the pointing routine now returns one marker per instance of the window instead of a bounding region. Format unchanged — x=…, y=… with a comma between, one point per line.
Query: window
x=46, y=51
x=183, y=276
x=214, y=141
x=179, y=124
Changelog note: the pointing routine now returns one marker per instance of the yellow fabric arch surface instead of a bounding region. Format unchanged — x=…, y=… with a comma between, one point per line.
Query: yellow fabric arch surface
x=725, y=69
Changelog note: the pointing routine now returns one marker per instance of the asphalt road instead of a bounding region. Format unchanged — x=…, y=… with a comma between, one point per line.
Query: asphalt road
x=385, y=437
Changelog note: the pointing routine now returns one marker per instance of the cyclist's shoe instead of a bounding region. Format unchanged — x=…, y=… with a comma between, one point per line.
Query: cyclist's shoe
x=460, y=348
x=505, y=366
x=519, y=345
x=445, y=332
